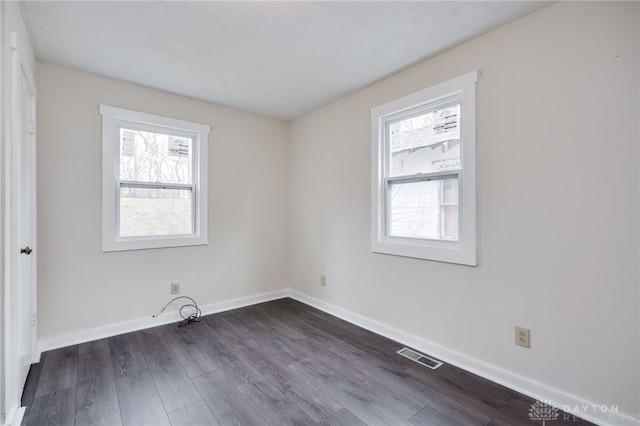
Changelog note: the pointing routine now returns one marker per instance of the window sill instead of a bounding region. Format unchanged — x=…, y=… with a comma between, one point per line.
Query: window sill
x=440, y=251
x=144, y=243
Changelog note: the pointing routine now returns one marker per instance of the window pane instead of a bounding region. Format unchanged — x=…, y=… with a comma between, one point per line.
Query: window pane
x=154, y=157
x=426, y=209
x=449, y=191
x=450, y=222
x=155, y=211
x=427, y=143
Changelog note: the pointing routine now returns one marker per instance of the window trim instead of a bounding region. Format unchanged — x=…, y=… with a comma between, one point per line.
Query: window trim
x=462, y=251
x=112, y=120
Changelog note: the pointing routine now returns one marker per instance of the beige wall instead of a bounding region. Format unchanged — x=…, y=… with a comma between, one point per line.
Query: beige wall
x=558, y=197
x=80, y=287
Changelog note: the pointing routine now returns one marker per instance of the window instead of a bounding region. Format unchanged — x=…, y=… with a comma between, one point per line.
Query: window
x=154, y=181
x=423, y=174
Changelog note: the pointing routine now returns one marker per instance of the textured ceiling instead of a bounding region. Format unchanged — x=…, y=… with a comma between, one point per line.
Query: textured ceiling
x=279, y=59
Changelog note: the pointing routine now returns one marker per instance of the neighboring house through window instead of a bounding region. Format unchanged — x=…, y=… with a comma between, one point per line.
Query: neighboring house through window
x=154, y=181
x=423, y=173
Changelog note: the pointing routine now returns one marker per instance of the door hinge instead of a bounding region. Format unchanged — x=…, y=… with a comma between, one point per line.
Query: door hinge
x=33, y=127
x=33, y=318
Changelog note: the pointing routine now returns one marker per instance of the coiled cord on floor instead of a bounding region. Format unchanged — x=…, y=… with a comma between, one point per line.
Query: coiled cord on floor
x=193, y=317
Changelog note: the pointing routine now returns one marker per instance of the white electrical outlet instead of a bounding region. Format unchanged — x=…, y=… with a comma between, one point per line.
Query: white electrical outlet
x=175, y=288
x=523, y=337
x=323, y=280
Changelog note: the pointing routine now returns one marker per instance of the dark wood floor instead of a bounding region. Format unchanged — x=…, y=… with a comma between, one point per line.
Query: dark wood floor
x=276, y=363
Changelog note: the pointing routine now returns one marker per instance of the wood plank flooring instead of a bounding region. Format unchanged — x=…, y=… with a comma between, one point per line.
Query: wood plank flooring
x=276, y=363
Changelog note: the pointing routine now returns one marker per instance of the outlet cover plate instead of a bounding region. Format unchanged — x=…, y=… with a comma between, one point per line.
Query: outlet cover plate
x=523, y=337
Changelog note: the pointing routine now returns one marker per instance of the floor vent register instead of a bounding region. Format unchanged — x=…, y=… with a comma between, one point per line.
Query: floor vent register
x=420, y=358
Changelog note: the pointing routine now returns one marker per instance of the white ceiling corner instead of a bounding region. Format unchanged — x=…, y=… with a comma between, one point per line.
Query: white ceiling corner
x=278, y=59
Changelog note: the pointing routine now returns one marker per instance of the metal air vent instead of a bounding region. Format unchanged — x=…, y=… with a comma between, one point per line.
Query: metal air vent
x=420, y=358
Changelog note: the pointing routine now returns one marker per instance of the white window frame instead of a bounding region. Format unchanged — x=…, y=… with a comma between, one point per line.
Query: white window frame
x=112, y=119
x=462, y=251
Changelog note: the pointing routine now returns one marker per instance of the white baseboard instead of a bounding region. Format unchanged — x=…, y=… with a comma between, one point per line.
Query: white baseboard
x=148, y=322
x=15, y=416
x=595, y=413
x=17, y=420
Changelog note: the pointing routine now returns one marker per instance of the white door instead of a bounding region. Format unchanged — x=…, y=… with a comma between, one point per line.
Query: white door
x=24, y=216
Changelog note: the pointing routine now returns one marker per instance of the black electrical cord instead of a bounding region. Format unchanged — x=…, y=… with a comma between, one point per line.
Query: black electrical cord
x=193, y=317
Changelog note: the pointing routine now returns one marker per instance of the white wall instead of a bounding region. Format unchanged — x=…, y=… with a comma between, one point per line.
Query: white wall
x=558, y=198
x=10, y=21
x=80, y=287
